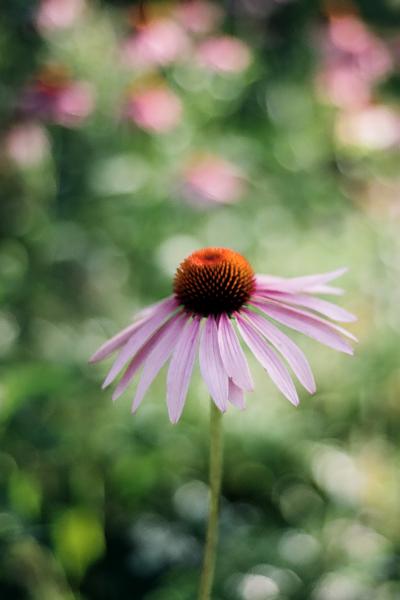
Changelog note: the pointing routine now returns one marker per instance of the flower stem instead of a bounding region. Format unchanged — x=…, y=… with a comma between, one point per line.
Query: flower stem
x=216, y=445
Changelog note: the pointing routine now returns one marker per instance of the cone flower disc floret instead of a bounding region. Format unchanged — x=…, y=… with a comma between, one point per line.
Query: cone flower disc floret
x=218, y=303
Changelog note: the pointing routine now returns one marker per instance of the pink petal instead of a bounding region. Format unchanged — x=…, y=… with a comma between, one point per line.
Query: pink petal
x=148, y=311
x=269, y=360
x=114, y=343
x=289, y=350
x=297, y=284
x=307, y=324
x=211, y=365
x=232, y=355
x=135, y=365
x=140, y=337
x=158, y=357
x=236, y=395
x=337, y=313
x=180, y=369
x=123, y=336
x=145, y=352
x=325, y=289
x=307, y=313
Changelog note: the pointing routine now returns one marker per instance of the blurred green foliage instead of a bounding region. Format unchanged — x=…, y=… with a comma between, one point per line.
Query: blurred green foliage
x=97, y=504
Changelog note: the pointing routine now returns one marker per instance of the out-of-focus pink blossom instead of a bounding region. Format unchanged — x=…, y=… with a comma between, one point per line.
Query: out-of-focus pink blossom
x=75, y=104
x=350, y=37
x=156, y=109
x=58, y=14
x=354, y=59
x=342, y=85
x=160, y=42
x=199, y=16
x=224, y=53
x=376, y=127
x=210, y=179
x=54, y=97
x=349, y=34
x=349, y=40
x=26, y=144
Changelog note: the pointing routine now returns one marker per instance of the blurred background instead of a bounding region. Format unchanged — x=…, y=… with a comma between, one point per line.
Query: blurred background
x=130, y=135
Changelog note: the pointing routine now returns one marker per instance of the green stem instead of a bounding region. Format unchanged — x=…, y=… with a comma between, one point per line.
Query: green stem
x=207, y=573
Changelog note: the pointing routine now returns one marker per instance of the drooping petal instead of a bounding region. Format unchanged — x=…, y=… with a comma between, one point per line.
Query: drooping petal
x=140, y=337
x=289, y=350
x=269, y=360
x=300, y=321
x=306, y=313
x=180, y=369
x=211, y=365
x=123, y=336
x=148, y=311
x=236, y=395
x=297, y=284
x=328, y=309
x=135, y=364
x=141, y=356
x=114, y=343
x=158, y=356
x=232, y=355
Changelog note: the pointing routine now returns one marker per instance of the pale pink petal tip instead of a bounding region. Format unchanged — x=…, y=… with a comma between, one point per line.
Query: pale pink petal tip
x=310, y=325
x=211, y=365
x=140, y=336
x=305, y=283
x=294, y=356
x=180, y=369
x=236, y=396
x=158, y=356
x=232, y=355
x=113, y=344
x=269, y=360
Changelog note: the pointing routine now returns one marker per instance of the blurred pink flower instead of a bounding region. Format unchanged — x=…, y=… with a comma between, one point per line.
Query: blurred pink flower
x=376, y=127
x=199, y=16
x=224, y=53
x=160, y=42
x=354, y=59
x=75, y=104
x=156, y=109
x=219, y=302
x=210, y=179
x=54, y=97
x=58, y=14
x=342, y=85
x=349, y=34
x=26, y=143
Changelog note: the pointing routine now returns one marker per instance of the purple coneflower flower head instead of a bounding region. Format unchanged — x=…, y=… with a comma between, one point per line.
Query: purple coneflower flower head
x=218, y=303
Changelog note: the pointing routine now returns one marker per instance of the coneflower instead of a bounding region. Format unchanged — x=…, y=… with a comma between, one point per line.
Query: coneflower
x=218, y=301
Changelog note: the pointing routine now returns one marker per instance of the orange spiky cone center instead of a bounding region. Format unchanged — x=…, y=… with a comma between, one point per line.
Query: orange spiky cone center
x=213, y=281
